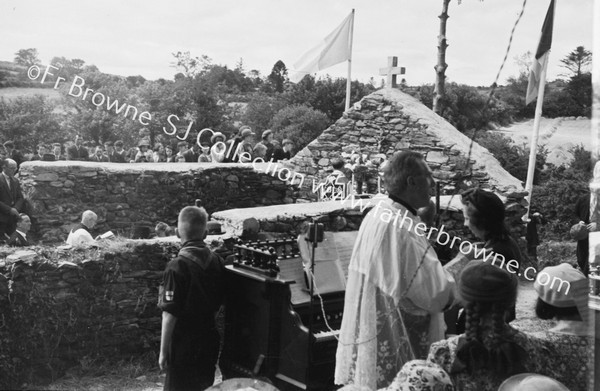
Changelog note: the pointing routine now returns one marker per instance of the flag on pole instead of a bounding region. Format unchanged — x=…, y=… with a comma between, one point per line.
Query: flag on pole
x=541, y=56
x=335, y=48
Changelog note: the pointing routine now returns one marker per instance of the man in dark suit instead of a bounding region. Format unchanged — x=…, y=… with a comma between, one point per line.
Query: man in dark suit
x=13, y=153
x=77, y=151
x=12, y=201
x=19, y=237
x=119, y=155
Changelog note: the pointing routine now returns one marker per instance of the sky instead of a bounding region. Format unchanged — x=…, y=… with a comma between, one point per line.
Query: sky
x=138, y=37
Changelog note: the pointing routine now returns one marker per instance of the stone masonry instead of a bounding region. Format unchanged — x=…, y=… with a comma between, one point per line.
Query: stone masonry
x=124, y=195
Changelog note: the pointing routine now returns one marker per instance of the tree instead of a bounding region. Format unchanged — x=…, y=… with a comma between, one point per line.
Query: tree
x=577, y=61
x=190, y=66
x=27, y=57
x=278, y=76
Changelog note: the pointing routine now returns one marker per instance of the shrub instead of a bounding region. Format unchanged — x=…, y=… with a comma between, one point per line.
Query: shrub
x=301, y=124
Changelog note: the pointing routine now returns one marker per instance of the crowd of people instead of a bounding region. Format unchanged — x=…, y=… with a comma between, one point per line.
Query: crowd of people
x=241, y=147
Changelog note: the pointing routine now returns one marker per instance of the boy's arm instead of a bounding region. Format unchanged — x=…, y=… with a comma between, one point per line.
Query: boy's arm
x=168, y=324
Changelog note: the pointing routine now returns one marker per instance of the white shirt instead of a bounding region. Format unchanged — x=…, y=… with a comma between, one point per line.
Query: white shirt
x=80, y=238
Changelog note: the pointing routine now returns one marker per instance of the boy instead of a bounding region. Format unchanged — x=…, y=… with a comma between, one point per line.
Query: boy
x=192, y=292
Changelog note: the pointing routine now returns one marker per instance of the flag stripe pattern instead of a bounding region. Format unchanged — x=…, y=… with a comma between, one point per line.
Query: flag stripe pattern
x=541, y=56
x=335, y=48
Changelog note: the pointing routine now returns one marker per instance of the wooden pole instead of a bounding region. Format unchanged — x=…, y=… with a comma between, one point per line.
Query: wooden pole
x=534, y=136
x=349, y=79
x=440, y=68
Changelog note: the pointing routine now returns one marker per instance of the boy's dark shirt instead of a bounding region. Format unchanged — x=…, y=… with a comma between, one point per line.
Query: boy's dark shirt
x=193, y=286
x=193, y=291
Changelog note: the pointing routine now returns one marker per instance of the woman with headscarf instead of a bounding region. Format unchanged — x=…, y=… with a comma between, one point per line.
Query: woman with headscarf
x=490, y=350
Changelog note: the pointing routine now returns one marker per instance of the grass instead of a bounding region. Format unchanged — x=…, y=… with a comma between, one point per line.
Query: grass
x=17, y=92
x=94, y=374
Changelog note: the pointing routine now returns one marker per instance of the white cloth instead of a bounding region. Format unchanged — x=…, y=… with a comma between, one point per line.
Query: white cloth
x=384, y=325
x=217, y=152
x=80, y=238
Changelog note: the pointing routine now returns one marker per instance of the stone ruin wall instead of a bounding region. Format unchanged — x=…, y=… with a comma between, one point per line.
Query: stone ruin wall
x=387, y=121
x=124, y=195
x=61, y=307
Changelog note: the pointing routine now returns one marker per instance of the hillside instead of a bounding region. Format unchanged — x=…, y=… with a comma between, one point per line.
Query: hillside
x=559, y=135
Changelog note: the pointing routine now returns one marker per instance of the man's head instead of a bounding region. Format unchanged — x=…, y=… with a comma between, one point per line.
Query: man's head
x=56, y=148
x=267, y=135
x=9, y=167
x=168, y=150
x=119, y=146
x=23, y=223
x=337, y=163
x=9, y=145
x=99, y=151
x=287, y=145
x=407, y=176
x=191, y=224
x=108, y=146
x=42, y=150
x=78, y=140
x=247, y=135
x=182, y=146
x=89, y=219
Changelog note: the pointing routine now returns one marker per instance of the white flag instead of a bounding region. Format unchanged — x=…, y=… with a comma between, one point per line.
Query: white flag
x=335, y=48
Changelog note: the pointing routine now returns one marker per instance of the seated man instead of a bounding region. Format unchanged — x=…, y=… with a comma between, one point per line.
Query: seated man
x=80, y=235
x=19, y=237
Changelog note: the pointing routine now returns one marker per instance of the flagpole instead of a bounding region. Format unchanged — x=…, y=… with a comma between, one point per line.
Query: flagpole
x=534, y=136
x=348, y=79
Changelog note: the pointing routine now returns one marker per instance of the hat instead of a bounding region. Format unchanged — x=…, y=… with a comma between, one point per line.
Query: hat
x=554, y=291
x=247, y=132
x=266, y=133
x=214, y=228
x=531, y=382
x=486, y=283
x=9, y=143
x=214, y=136
x=421, y=375
x=144, y=142
x=489, y=205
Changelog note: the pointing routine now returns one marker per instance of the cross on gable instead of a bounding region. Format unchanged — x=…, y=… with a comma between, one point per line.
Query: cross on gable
x=391, y=71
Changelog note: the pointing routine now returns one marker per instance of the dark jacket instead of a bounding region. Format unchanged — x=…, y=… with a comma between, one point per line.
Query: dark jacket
x=10, y=198
x=74, y=153
x=17, y=240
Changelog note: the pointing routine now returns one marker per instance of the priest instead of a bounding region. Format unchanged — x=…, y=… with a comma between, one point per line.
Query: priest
x=397, y=289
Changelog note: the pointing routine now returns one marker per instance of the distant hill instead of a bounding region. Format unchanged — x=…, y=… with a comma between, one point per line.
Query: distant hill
x=14, y=75
x=16, y=92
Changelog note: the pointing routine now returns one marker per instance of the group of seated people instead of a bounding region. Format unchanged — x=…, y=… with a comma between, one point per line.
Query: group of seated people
x=218, y=150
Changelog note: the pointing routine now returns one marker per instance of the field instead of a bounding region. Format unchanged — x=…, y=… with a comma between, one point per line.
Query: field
x=558, y=134
x=16, y=92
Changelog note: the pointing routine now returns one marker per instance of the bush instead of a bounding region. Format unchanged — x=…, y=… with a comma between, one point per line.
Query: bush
x=301, y=124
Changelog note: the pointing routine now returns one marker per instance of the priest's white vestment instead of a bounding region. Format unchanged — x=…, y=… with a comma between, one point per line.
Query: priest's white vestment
x=395, y=295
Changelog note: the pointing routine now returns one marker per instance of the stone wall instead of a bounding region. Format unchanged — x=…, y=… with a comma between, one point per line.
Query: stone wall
x=126, y=194
x=59, y=307
x=387, y=121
